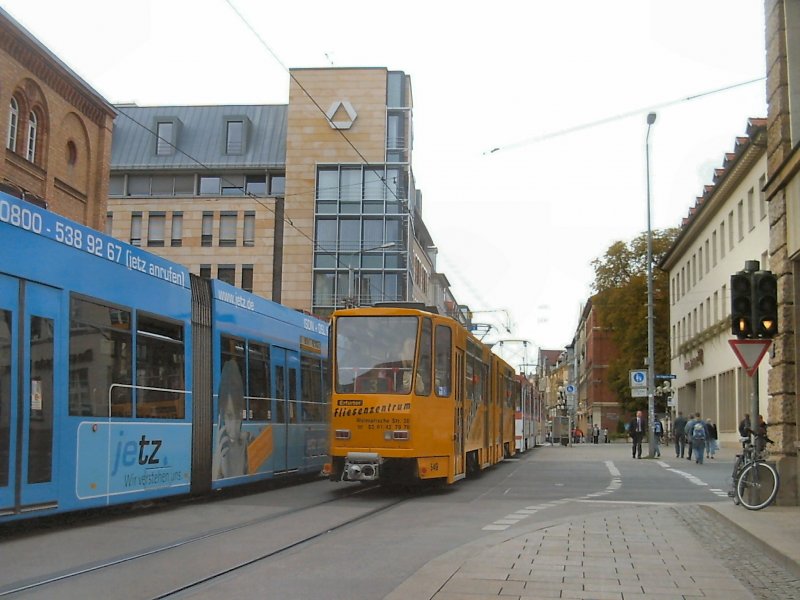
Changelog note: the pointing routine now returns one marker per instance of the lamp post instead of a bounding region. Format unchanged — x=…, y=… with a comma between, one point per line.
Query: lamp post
x=651, y=412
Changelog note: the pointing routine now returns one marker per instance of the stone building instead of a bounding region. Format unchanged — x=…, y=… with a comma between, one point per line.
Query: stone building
x=57, y=130
x=783, y=195
x=726, y=227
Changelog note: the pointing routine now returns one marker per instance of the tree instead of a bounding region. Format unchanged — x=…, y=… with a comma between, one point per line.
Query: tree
x=621, y=303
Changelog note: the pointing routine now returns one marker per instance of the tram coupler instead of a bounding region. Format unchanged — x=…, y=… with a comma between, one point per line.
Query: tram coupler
x=361, y=466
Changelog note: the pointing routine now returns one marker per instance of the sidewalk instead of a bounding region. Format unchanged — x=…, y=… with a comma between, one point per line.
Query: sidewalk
x=714, y=550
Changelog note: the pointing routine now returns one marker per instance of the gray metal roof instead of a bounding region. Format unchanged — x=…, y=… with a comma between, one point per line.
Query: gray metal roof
x=201, y=133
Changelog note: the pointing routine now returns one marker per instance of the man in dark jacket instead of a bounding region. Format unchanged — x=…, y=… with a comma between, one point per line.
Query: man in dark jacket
x=637, y=429
x=678, y=431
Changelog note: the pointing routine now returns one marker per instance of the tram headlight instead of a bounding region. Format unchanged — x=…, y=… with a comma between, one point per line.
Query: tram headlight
x=342, y=434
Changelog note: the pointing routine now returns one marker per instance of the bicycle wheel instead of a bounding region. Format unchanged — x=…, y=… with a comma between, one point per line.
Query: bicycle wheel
x=757, y=485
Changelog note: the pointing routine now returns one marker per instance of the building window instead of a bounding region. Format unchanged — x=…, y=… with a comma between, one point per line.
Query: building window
x=740, y=218
x=277, y=185
x=249, y=237
x=205, y=271
x=227, y=273
x=116, y=185
x=109, y=223
x=206, y=229
x=232, y=185
x=13, y=124
x=138, y=185
x=751, y=209
x=155, y=229
x=33, y=126
x=247, y=278
x=164, y=132
x=722, y=240
x=209, y=186
x=176, y=237
x=227, y=229
x=256, y=185
x=762, y=198
x=234, y=137
x=136, y=229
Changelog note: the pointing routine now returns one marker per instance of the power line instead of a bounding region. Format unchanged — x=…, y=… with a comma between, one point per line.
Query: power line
x=625, y=115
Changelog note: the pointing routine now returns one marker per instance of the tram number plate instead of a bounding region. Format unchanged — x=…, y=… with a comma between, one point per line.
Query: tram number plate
x=433, y=467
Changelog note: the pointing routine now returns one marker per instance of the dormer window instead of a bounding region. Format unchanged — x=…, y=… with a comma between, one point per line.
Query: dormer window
x=236, y=135
x=234, y=139
x=164, y=144
x=167, y=130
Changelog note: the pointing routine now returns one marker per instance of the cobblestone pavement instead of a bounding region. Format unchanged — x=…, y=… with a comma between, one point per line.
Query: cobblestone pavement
x=752, y=567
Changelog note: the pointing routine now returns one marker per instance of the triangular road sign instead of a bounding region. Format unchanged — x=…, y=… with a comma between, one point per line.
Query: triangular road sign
x=750, y=353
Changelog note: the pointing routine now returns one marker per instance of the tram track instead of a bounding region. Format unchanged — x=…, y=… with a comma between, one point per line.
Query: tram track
x=49, y=581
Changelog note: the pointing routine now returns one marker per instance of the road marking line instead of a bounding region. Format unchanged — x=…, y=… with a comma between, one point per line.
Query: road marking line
x=495, y=527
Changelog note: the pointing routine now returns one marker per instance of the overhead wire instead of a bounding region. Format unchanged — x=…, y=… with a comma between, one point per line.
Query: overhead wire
x=625, y=115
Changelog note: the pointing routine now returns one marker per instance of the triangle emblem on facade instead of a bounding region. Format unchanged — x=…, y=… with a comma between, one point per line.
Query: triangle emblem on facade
x=336, y=110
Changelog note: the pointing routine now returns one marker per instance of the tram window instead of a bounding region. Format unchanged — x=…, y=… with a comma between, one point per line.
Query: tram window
x=40, y=427
x=5, y=392
x=159, y=369
x=423, y=385
x=99, y=360
x=443, y=363
x=259, y=408
x=311, y=389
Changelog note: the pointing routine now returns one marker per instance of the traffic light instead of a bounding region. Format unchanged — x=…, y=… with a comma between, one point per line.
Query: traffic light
x=742, y=304
x=765, y=304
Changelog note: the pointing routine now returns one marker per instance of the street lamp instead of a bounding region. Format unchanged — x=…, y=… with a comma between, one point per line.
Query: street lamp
x=651, y=411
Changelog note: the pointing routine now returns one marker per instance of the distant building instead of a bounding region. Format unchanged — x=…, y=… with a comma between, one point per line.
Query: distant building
x=727, y=226
x=312, y=204
x=597, y=403
x=57, y=130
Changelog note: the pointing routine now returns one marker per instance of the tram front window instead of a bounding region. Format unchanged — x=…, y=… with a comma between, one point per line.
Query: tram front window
x=375, y=355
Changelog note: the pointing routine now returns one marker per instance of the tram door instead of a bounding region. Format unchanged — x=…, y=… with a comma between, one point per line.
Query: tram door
x=458, y=439
x=27, y=347
x=285, y=367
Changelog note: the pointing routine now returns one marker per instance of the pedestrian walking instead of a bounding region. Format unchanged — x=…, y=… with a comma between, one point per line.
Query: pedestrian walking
x=605, y=436
x=658, y=433
x=596, y=434
x=712, y=444
x=636, y=429
x=688, y=431
x=679, y=433
x=699, y=437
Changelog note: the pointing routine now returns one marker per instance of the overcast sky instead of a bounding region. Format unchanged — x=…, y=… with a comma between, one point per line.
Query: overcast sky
x=516, y=228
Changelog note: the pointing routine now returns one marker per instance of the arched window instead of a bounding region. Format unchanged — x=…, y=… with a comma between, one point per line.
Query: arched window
x=13, y=123
x=32, y=126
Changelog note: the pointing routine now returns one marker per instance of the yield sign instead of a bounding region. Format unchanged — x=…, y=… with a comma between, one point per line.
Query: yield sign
x=750, y=353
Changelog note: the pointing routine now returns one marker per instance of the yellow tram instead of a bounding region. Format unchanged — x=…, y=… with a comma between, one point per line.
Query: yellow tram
x=415, y=397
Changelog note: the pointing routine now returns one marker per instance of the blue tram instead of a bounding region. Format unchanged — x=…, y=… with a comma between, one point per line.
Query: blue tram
x=123, y=377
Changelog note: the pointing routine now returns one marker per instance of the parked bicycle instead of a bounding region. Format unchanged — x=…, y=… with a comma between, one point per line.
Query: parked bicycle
x=754, y=481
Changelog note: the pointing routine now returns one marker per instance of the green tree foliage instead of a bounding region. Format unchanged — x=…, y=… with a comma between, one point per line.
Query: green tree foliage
x=621, y=302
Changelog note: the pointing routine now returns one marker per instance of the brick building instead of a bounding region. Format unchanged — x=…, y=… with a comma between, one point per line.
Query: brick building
x=57, y=130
